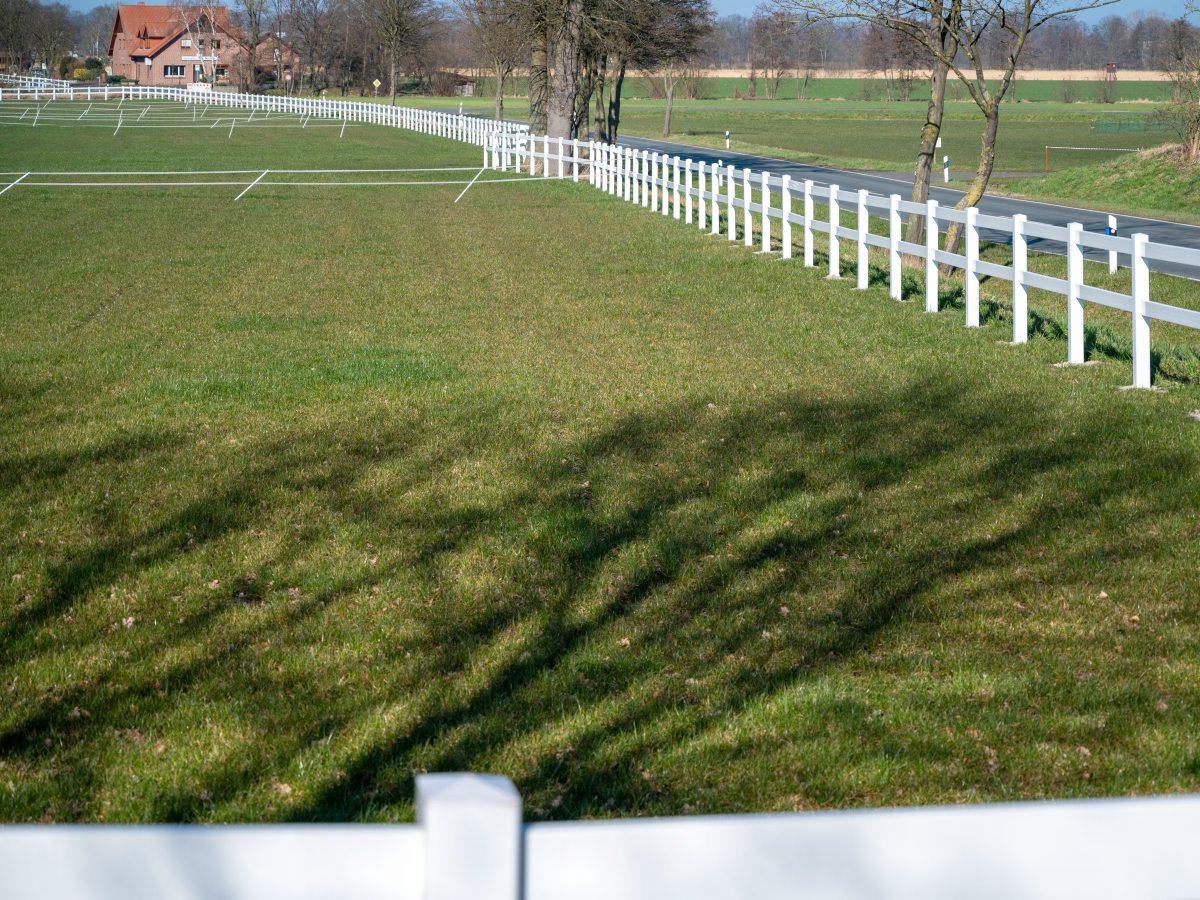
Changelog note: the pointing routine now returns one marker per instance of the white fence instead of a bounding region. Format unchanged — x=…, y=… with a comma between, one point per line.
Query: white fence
x=702, y=195
x=36, y=82
x=470, y=129
x=469, y=843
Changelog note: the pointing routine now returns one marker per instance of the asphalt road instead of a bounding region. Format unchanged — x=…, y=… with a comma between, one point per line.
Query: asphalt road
x=1159, y=230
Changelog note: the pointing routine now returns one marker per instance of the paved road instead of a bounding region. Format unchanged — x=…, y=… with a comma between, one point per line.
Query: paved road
x=1159, y=230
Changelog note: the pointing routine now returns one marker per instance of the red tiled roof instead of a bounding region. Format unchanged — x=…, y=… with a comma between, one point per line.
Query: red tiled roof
x=153, y=27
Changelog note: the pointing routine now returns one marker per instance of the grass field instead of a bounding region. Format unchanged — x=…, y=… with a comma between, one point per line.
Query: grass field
x=1149, y=183
x=883, y=136
x=1081, y=87
x=309, y=492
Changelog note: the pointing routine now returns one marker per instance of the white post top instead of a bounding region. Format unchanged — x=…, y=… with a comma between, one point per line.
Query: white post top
x=473, y=839
x=465, y=788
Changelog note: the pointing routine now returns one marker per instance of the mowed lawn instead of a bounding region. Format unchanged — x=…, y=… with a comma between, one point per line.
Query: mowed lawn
x=307, y=493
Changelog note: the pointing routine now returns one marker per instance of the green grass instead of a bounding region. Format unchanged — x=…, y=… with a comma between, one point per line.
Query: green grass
x=1085, y=88
x=308, y=493
x=1155, y=183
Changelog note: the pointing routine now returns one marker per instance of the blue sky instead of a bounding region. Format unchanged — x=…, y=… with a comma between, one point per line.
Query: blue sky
x=1168, y=8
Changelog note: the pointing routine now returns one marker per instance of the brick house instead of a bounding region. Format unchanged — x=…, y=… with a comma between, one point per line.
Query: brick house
x=154, y=45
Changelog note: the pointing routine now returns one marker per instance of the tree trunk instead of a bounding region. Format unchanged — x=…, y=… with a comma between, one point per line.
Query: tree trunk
x=499, y=93
x=564, y=79
x=392, y=77
x=598, y=129
x=538, y=83
x=923, y=171
x=670, y=91
x=614, y=103
x=983, y=174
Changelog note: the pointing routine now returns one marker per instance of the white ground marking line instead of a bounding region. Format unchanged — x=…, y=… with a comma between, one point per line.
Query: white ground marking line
x=143, y=115
x=468, y=187
x=250, y=185
x=268, y=183
x=118, y=126
x=343, y=131
x=24, y=112
x=97, y=172
x=18, y=181
x=231, y=124
x=86, y=111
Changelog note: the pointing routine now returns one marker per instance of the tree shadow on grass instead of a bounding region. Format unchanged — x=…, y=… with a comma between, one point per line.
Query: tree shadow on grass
x=611, y=602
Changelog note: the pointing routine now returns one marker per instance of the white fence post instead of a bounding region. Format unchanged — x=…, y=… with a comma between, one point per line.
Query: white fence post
x=1020, y=296
x=675, y=187
x=473, y=836
x=654, y=182
x=747, y=216
x=835, y=262
x=766, y=212
x=894, y=247
x=665, y=200
x=785, y=200
x=1141, y=321
x=863, y=224
x=687, y=192
x=808, y=223
x=1075, y=349
x=1112, y=254
x=714, y=180
x=731, y=219
x=701, y=202
x=575, y=160
x=931, y=247
x=561, y=158
x=970, y=274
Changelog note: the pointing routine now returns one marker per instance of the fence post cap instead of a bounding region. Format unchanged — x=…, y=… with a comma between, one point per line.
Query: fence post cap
x=465, y=788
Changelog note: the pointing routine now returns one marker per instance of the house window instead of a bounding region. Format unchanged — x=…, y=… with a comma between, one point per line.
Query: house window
x=186, y=42
x=173, y=71
x=222, y=71
x=216, y=43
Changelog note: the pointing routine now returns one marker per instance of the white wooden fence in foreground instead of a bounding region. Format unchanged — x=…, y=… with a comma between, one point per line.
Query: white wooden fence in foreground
x=469, y=843
x=703, y=195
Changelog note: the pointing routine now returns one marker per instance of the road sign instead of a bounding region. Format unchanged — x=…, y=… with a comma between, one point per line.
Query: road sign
x=377, y=83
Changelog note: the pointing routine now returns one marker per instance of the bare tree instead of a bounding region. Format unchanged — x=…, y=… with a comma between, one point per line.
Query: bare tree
x=673, y=36
x=957, y=33
x=774, y=46
x=204, y=22
x=500, y=37
x=253, y=14
x=1183, y=112
x=403, y=28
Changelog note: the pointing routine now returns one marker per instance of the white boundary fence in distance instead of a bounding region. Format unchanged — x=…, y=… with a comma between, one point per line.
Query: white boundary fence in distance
x=701, y=194
x=469, y=843
x=470, y=129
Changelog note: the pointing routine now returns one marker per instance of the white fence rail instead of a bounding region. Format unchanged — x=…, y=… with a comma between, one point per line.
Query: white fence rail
x=714, y=197
x=37, y=82
x=469, y=843
x=469, y=129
